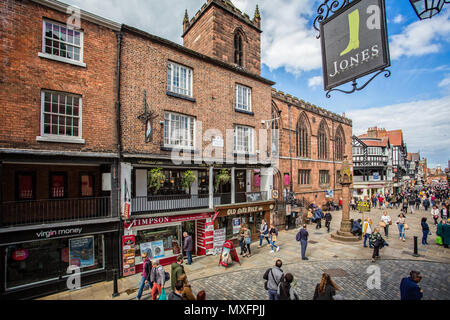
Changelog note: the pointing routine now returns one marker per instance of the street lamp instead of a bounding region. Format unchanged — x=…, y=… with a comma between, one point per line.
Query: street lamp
x=425, y=9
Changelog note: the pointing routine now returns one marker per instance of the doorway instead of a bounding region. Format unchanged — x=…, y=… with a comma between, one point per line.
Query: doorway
x=190, y=228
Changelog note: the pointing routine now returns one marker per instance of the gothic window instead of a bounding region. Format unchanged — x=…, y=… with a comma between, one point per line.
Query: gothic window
x=302, y=138
x=238, y=49
x=322, y=142
x=339, y=145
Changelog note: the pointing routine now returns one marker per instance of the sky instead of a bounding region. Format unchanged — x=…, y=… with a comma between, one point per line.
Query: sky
x=415, y=98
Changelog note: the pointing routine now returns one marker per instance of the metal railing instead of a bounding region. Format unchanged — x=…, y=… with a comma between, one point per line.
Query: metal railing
x=16, y=213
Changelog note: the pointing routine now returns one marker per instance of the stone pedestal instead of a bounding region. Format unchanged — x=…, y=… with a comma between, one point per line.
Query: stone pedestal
x=343, y=234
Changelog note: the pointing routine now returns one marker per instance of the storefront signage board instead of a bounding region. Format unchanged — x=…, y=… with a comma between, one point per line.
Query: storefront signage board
x=81, y=252
x=162, y=220
x=128, y=255
x=244, y=210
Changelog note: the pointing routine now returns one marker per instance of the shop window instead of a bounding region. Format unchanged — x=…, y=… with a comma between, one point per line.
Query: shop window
x=58, y=185
x=159, y=243
x=87, y=185
x=25, y=186
x=39, y=261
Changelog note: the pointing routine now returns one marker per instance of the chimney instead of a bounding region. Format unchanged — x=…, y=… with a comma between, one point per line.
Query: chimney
x=372, y=132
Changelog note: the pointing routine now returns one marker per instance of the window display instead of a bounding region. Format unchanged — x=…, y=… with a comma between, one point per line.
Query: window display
x=32, y=262
x=158, y=242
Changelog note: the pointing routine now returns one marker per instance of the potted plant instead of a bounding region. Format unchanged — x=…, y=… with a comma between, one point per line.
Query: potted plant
x=156, y=179
x=222, y=178
x=188, y=179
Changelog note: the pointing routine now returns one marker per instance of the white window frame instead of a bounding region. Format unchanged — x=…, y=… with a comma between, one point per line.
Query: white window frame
x=51, y=56
x=251, y=138
x=246, y=91
x=189, y=88
x=168, y=129
x=45, y=137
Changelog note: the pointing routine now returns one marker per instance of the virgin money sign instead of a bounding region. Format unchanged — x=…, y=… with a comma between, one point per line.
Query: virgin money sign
x=354, y=42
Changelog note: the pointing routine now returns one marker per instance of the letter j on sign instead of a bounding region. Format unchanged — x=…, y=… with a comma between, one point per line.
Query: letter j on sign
x=354, y=42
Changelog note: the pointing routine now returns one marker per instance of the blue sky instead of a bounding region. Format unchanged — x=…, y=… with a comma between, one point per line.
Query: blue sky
x=416, y=98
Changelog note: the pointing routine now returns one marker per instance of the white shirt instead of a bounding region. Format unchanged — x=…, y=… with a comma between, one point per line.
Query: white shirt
x=435, y=212
x=386, y=219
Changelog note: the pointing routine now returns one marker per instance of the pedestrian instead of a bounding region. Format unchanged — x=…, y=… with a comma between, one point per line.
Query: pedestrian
x=328, y=219
x=176, y=270
x=188, y=246
x=405, y=204
x=412, y=202
x=177, y=294
x=326, y=289
x=201, y=295
x=274, y=277
x=409, y=288
x=187, y=290
x=158, y=277
x=435, y=214
x=426, y=203
x=285, y=290
x=318, y=215
x=425, y=231
x=387, y=221
x=444, y=232
x=401, y=226
x=146, y=272
x=263, y=233
x=444, y=212
x=418, y=202
x=302, y=237
x=241, y=239
x=273, y=234
x=377, y=242
x=367, y=231
x=247, y=240
x=357, y=228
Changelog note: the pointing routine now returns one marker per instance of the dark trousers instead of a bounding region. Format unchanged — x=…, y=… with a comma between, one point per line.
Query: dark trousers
x=435, y=220
x=327, y=224
x=304, y=244
x=242, y=245
x=318, y=223
x=376, y=252
x=247, y=247
x=425, y=235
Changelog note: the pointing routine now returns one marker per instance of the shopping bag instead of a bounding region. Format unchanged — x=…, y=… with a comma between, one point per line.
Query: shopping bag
x=439, y=240
x=406, y=226
x=163, y=295
x=382, y=224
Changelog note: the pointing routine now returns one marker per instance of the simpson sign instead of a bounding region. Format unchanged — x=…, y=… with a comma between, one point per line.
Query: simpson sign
x=354, y=42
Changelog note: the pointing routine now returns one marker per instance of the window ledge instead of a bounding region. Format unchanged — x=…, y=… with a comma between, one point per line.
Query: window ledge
x=180, y=96
x=244, y=111
x=246, y=154
x=60, y=139
x=60, y=59
x=186, y=150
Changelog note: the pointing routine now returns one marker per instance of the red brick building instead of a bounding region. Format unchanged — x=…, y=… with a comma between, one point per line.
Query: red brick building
x=57, y=98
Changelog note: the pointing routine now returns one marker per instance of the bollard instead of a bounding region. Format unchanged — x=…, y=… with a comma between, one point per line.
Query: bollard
x=416, y=254
x=116, y=290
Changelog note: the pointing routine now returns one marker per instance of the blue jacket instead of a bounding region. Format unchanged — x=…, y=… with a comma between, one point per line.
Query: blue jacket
x=318, y=214
x=409, y=290
x=356, y=226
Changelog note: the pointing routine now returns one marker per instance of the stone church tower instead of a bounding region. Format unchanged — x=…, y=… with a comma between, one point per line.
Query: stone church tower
x=222, y=31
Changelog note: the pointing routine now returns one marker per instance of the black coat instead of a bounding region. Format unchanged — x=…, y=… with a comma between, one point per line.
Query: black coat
x=327, y=295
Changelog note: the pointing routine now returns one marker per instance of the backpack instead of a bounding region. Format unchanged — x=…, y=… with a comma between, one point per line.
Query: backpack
x=298, y=236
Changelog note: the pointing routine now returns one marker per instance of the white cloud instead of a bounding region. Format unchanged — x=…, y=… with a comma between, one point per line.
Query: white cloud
x=421, y=37
x=424, y=124
x=315, y=81
x=445, y=83
x=398, y=19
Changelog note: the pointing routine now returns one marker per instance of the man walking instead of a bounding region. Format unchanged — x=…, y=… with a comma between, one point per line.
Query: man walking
x=176, y=270
x=318, y=215
x=264, y=233
x=409, y=288
x=188, y=246
x=302, y=237
x=328, y=218
x=274, y=276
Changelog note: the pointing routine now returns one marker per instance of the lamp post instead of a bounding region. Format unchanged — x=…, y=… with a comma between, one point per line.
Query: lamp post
x=425, y=9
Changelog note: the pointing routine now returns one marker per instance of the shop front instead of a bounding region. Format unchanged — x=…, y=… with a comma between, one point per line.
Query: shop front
x=37, y=261
x=161, y=237
x=230, y=218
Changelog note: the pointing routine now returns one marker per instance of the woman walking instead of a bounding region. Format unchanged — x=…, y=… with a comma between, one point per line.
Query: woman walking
x=158, y=277
x=387, y=221
x=401, y=226
x=241, y=240
x=326, y=289
x=273, y=234
x=377, y=242
x=247, y=241
x=425, y=231
x=435, y=214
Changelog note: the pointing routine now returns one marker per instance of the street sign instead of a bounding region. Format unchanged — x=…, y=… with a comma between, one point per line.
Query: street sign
x=363, y=206
x=354, y=42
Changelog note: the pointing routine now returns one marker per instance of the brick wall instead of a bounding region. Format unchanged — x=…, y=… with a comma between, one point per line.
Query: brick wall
x=23, y=75
x=144, y=67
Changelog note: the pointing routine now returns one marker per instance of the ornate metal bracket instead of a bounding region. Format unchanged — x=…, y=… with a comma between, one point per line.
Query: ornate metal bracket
x=147, y=117
x=326, y=9
x=355, y=85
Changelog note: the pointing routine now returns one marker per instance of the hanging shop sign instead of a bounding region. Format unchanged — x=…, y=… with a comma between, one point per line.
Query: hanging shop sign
x=81, y=252
x=354, y=42
x=128, y=255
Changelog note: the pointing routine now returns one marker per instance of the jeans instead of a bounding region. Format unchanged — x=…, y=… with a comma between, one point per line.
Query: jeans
x=261, y=237
x=189, y=257
x=272, y=244
x=242, y=245
x=386, y=230
x=141, y=288
x=273, y=295
x=367, y=236
x=425, y=235
x=401, y=230
x=304, y=244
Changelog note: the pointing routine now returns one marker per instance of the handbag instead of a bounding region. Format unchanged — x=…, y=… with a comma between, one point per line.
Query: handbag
x=382, y=224
x=406, y=226
x=390, y=223
x=248, y=240
x=274, y=238
x=163, y=295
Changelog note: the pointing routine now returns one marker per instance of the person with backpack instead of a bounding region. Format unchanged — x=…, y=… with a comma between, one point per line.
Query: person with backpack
x=273, y=277
x=302, y=237
x=318, y=216
x=146, y=272
x=263, y=233
x=328, y=219
x=326, y=289
x=158, y=277
x=285, y=290
x=273, y=234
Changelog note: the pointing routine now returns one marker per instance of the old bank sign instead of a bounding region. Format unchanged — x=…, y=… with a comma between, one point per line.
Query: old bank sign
x=354, y=42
